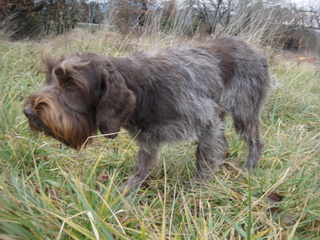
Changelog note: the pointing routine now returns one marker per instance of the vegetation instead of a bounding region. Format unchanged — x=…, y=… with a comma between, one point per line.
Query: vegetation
x=38, y=18
x=284, y=24
x=48, y=191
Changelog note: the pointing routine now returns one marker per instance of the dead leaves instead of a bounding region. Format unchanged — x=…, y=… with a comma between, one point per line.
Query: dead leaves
x=103, y=178
x=231, y=164
x=276, y=211
x=274, y=199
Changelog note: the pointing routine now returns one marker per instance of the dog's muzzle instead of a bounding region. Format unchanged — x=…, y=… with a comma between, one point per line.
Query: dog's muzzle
x=29, y=112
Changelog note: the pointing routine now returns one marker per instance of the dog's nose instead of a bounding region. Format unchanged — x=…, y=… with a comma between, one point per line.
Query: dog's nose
x=28, y=112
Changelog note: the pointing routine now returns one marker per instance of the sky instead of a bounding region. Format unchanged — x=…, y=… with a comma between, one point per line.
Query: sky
x=306, y=3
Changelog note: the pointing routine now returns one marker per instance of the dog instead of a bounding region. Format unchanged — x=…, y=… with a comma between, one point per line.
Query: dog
x=173, y=94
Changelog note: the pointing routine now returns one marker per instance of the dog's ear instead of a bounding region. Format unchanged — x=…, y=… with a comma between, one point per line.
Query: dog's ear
x=50, y=63
x=66, y=72
x=116, y=103
x=60, y=70
x=63, y=77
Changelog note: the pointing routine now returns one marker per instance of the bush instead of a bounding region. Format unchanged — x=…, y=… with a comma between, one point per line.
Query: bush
x=32, y=19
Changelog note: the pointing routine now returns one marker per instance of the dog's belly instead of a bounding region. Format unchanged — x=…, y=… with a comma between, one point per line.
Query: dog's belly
x=170, y=132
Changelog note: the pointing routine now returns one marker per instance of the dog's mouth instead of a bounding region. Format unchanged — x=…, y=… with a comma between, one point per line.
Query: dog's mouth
x=49, y=117
x=38, y=126
x=36, y=123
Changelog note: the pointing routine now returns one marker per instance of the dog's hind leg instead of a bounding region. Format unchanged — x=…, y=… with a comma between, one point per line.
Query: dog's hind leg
x=247, y=125
x=211, y=150
x=146, y=157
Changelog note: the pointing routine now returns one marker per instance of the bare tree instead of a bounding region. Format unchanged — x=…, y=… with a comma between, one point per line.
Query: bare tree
x=307, y=15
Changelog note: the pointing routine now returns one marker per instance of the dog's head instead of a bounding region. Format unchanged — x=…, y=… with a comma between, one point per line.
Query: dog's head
x=81, y=93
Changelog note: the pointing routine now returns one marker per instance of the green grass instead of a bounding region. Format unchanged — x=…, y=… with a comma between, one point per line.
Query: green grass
x=48, y=191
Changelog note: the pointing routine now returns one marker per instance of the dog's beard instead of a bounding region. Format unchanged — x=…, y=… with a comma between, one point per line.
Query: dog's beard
x=72, y=129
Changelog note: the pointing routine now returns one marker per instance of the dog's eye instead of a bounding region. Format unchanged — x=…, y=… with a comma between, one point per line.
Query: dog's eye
x=71, y=85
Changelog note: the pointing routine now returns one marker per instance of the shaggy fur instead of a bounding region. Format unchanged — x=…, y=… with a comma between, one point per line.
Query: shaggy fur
x=162, y=97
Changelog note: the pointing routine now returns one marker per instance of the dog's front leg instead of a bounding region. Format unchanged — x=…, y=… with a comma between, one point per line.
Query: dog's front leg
x=145, y=159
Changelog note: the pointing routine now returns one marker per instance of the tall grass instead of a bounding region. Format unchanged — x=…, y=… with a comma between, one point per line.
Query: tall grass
x=253, y=21
x=48, y=191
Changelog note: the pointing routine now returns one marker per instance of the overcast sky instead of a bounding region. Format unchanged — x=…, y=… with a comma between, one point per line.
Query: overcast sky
x=306, y=3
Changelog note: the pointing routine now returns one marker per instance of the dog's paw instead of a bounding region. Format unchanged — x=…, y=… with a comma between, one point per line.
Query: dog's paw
x=133, y=184
x=250, y=165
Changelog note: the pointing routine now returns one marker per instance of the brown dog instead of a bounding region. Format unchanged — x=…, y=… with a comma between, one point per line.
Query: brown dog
x=162, y=97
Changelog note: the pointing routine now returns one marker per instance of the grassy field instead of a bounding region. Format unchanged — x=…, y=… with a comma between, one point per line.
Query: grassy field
x=48, y=191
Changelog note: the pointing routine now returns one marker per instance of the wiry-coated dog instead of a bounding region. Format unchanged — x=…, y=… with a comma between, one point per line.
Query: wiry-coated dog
x=162, y=97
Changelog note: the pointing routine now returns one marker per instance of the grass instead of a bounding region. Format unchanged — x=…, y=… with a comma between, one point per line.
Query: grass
x=48, y=191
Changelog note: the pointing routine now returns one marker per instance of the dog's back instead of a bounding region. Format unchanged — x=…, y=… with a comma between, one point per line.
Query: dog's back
x=243, y=70
x=229, y=71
